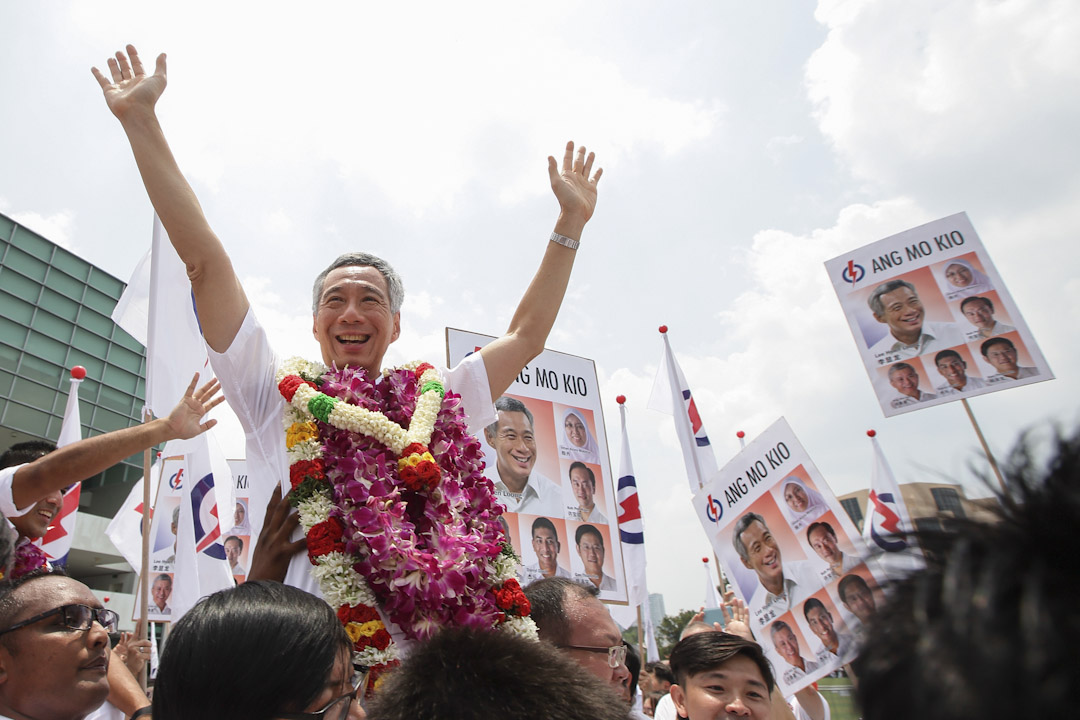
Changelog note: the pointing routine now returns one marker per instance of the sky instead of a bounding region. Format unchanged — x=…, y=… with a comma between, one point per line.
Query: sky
x=743, y=144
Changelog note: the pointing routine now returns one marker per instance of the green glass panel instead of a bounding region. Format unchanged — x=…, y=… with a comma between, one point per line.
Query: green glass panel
x=96, y=322
x=120, y=379
x=64, y=284
x=107, y=420
x=125, y=358
x=115, y=400
x=106, y=283
x=16, y=309
x=92, y=343
x=41, y=370
x=52, y=326
x=6, y=227
x=26, y=264
x=74, y=266
x=9, y=356
x=6, y=379
x=59, y=305
x=28, y=420
x=33, y=394
x=47, y=348
x=99, y=301
x=12, y=333
x=33, y=244
x=19, y=286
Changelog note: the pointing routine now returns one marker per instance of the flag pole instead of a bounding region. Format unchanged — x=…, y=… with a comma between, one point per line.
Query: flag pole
x=641, y=636
x=144, y=607
x=680, y=413
x=985, y=447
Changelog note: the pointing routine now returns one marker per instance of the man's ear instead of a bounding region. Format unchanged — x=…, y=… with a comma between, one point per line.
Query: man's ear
x=679, y=698
x=397, y=326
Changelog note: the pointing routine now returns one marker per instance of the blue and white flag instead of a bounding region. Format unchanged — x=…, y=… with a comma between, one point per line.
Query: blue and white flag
x=887, y=526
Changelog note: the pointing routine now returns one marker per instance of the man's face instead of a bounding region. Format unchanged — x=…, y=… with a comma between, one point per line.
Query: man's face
x=583, y=487
x=825, y=546
x=954, y=370
x=860, y=601
x=46, y=669
x=34, y=523
x=735, y=689
x=785, y=643
x=821, y=624
x=906, y=381
x=232, y=551
x=515, y=446
x=591, y=626
x=1002, y=357
x=575, y=430
x=161, y=591
x=353, y=322
x=903, y=312
x=763, y=552
x=591, y=550
x=979, y=314
x=547, y=547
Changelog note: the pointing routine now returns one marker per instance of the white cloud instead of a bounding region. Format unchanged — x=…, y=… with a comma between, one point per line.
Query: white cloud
x=58, y=227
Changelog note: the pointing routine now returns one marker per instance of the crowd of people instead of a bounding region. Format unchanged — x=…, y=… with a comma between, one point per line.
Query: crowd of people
x=987, y=617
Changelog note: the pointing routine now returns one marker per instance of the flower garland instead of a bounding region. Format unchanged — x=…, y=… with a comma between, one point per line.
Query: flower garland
x=389, y=489
x=28, y=557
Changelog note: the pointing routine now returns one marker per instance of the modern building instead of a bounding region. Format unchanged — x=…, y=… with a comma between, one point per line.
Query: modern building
x=56, y=309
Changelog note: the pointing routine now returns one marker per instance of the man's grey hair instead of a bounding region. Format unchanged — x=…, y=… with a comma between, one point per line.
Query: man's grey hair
x=740, y=527
x=508, y=404
x=394, y=286
x=893, y=369
x=874, y=301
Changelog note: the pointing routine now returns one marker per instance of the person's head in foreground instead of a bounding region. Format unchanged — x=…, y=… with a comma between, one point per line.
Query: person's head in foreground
x=718, y=675
x=475, y=675
x=282, y=650
x=570, y=617
x=990, y=628
x=54, y=648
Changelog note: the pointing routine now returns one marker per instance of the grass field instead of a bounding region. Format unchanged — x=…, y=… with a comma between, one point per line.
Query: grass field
x=840, y=696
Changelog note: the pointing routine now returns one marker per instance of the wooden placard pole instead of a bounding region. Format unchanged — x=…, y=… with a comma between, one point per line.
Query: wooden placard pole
x=985, y=447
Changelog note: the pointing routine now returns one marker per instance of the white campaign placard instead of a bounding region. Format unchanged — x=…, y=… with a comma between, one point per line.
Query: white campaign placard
x=932, y=318
x=789, y=550
x=564, y=522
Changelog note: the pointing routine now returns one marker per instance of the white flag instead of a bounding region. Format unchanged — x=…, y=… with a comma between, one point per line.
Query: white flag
x=125, y=529
x=671, y=394
x=887, y=525
x=56, y=543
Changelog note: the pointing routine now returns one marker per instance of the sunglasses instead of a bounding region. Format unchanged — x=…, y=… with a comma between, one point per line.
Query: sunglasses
x=75, y=617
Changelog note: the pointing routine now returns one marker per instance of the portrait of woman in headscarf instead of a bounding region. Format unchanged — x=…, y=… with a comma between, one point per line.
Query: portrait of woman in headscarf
x=241, y=524
x=963, y=280
x=577, y=443
x=802, y=505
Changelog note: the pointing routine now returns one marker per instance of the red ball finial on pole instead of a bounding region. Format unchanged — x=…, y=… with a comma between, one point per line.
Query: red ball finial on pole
x=740, y=434
x=78, y=372
x=871, y=433
x=620, y=399
x=663, y=329
x=705, y=560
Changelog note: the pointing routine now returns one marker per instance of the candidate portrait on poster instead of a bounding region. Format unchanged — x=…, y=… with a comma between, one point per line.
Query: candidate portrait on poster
x=921, y=305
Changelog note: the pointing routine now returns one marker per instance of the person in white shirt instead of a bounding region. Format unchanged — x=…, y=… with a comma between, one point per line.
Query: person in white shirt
x=1001, y=353
x=896, y=304
x=546, y=545
x=980, y=312
x=834, y=639
x=905, y=380
x=823, y=540
x=518, y=486
x=951, y=366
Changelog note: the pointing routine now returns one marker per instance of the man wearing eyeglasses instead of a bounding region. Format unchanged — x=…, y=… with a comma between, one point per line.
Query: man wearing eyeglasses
x=54, y=648
x=571, y=617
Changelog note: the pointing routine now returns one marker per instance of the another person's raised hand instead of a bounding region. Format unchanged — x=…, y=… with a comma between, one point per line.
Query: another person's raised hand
x=274, y=550
x=575, y=185
x=184, y=420
x=739, y=624
x=131, y=90
x=133, y=649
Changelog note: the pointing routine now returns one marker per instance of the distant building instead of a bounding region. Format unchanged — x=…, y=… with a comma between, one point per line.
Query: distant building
x=931, y=504
x=656, y=607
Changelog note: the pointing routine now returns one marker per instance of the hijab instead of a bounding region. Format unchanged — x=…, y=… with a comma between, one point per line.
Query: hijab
x=589, y=453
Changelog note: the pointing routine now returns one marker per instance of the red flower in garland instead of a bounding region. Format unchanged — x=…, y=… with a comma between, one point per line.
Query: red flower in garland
x=511, y=599
x=357, y=614
x=326, y=537
x=302, y=469
x=288, y=385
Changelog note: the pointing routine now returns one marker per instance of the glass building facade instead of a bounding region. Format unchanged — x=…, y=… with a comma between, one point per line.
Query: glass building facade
x=56, y=309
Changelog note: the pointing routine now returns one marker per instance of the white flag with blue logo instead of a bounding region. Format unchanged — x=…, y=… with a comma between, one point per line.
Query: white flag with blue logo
x=57, y=541
x=887, y=527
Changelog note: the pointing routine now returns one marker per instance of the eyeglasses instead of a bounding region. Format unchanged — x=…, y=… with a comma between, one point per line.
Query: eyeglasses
x=338, y=709
x=616, y=654
x=75, y=617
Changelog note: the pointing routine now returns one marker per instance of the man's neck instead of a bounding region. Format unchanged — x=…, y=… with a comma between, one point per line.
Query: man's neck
x=776, y=586
x=908, y=337
x=586, y=511
x=514, y=485
x=549, y=572
x=961, y=386
x=832, y=646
